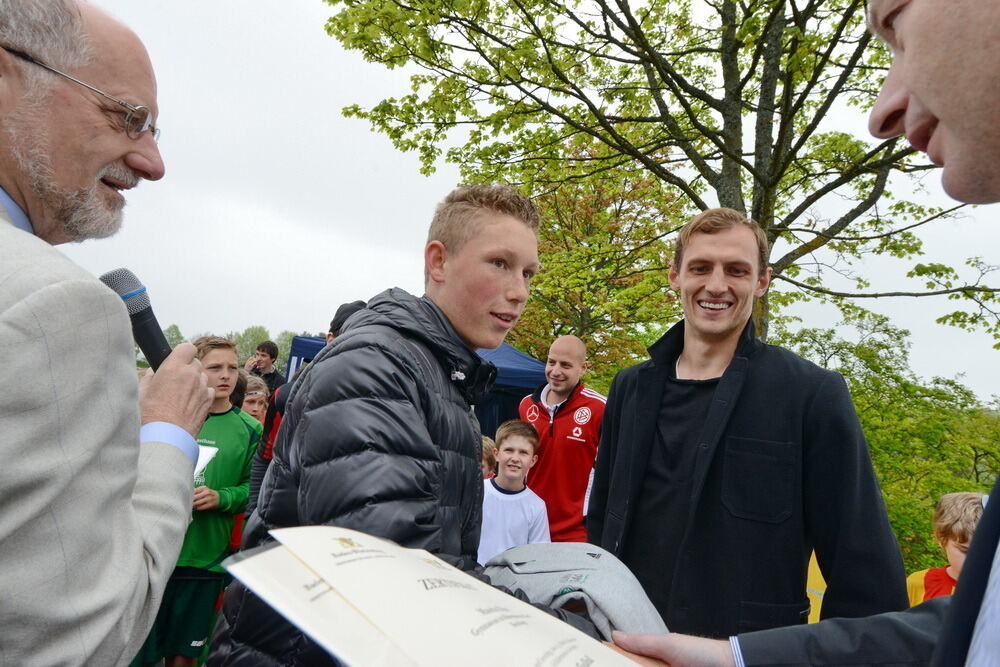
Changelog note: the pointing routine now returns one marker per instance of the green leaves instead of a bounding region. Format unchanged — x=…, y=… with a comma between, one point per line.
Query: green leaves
x=927, y=437
x=941, y=275
x=603, y=252
x=719, y=101
x=173, y=335
x=248, y=340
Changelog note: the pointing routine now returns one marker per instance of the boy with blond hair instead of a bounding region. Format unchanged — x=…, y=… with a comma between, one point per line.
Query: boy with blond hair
x=378, y=435
x=955, y=520
x=255, y=398
x=512, y=513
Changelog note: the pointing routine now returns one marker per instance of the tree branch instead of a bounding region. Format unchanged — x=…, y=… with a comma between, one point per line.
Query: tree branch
x=875, y=237
x=880, y=295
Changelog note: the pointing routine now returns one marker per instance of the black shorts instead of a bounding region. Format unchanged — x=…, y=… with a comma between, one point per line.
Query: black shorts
x=186, y=617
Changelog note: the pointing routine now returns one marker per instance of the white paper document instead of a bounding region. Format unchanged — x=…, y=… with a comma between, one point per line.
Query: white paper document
x=205, y=454
x=372, y=603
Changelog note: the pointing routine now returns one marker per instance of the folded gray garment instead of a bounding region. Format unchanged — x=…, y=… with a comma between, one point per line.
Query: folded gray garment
x=558, y=573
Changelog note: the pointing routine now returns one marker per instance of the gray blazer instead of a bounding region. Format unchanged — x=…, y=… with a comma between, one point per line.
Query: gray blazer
x=90, y=522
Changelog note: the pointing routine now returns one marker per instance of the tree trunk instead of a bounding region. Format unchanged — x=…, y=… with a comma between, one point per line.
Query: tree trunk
x=761, y=317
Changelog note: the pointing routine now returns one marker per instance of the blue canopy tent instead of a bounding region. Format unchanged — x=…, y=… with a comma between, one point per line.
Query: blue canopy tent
x=517, y=375
x=304, y=349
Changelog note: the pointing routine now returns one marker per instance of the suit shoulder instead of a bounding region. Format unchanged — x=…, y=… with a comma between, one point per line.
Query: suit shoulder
x=28, y=264
x=20, y=252
x=780, y=360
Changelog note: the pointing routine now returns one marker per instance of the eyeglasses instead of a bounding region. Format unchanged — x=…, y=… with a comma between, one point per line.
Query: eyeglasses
x=138, y=119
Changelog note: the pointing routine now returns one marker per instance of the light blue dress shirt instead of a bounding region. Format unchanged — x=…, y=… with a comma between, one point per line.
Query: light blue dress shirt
x=16, y=214
x=734, y=644
x=171, y=434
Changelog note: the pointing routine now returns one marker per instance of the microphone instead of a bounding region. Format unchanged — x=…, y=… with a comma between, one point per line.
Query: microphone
x=145, y=329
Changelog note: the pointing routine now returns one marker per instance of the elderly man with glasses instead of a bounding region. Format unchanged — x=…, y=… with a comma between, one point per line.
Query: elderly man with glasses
x=97, y=477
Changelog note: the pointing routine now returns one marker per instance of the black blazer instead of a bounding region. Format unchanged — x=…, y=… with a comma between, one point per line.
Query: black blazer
x=941, y=627
x=968, y=598
x=782, y=468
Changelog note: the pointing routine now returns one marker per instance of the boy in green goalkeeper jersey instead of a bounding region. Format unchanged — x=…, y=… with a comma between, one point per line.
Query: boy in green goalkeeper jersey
x=185, y=619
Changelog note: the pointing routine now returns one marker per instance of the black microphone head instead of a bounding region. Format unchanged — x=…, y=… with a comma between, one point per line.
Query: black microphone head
x=128, y=287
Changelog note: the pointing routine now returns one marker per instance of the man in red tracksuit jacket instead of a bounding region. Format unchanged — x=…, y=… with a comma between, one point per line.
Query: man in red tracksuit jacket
x=567, y=417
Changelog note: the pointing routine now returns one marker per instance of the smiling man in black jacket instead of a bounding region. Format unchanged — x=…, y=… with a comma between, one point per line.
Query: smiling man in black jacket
x=378, y=435
x=725, y=462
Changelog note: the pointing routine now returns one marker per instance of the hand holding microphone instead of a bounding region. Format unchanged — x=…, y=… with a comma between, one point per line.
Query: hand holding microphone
x=177, y=392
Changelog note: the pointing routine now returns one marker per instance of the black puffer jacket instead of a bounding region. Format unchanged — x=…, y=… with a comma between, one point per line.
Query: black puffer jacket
x=378, y=436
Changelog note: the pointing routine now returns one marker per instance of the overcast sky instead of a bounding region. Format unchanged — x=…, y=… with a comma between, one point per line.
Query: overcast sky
x=275, y=209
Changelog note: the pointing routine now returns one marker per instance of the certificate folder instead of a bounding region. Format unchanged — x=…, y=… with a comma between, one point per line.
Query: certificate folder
x=372, y=603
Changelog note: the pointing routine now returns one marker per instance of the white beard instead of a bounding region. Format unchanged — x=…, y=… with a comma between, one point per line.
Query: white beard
x=76, y=214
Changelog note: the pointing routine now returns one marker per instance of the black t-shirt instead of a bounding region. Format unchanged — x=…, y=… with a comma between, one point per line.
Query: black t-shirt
x=663, y=506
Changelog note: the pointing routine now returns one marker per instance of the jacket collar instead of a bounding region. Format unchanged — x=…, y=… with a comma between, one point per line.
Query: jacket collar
x=421, y=319
x=536, y=395
x=470, y=373
x=670, y=344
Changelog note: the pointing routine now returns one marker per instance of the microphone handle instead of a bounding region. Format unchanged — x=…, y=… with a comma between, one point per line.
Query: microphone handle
x=149, y=337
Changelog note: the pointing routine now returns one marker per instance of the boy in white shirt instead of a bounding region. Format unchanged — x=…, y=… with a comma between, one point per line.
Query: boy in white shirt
x=512, y=514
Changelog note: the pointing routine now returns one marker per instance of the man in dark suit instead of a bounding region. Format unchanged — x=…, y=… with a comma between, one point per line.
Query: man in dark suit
x=942, y=93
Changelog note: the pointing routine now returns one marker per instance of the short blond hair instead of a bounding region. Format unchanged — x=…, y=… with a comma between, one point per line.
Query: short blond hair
x=957, y=515
x=457, y=219
x=206, y=344
x=716, y=220
x=256, y=383
x=517, y=427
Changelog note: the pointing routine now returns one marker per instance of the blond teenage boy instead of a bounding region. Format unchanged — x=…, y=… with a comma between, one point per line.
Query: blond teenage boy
x=379, y=435
x=512, y=513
